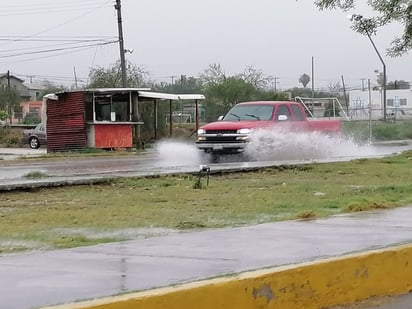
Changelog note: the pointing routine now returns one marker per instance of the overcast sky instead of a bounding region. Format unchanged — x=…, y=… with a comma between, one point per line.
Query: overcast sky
x=174, y=37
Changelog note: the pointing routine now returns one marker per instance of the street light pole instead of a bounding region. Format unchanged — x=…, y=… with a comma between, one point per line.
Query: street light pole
x=384, y=76
x=359, y=18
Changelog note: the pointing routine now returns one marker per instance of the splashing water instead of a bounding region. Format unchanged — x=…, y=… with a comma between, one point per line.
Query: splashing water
x=177, y=153
x=266, y=145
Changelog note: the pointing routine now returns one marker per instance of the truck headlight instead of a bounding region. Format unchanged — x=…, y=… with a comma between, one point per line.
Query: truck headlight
x=201, y=131
x=244, y=131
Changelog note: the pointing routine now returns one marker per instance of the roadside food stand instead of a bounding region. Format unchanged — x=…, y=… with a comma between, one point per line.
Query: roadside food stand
x=105, y=118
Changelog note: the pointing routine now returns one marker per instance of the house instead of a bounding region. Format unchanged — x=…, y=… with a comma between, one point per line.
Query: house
x=15, y=83
x=31, y=109
x=30, y=94
x=35, y=91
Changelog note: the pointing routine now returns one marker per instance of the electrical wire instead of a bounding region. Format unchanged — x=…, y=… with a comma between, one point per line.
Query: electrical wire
x=11, y=11
x=48, y=56
x=55, y=50
x=54, y=27
x=52, y=46
x=55, y=38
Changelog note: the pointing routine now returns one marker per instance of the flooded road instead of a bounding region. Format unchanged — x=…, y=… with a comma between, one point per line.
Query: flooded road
x=179, y=157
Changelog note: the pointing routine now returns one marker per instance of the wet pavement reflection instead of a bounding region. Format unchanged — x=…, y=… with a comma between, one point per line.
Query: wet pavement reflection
x=44, y=278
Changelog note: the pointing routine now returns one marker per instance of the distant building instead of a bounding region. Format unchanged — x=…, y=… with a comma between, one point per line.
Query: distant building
x=27, y=91
x=31, y=109
x=35, y=91
x=30, y=93
x=398, y=104
x=16, y=84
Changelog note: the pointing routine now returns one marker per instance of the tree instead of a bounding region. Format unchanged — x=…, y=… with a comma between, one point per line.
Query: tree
x=304, y=79
x=3, y=115
x=334, y=87
x=255, y=77
x=229, y=92
x=214, y=74
x=9, y=102
x=110, y=77
x=388, y=11
x=379, y=78
x=50, y=87
x=398, y=84
x=183, y=85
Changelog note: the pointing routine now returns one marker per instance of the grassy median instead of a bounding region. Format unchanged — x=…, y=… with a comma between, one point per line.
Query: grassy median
x=143, y=207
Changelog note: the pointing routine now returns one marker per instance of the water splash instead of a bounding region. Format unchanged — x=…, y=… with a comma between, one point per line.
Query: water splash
x=177, y=153
x=266, y=145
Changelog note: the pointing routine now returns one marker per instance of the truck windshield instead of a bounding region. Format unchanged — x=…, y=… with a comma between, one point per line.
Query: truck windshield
x=249, y=112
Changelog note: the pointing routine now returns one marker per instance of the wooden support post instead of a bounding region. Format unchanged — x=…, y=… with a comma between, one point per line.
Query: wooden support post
x=155, y=119
x=170, y=119
x=197, y=115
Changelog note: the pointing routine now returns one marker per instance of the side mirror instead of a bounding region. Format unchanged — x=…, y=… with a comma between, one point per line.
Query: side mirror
x=220, y=118
x=282, y=117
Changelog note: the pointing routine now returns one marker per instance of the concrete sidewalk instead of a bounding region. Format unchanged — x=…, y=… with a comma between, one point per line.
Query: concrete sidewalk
x=47, y=278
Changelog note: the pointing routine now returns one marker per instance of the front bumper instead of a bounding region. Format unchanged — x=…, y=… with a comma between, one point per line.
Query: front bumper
x=221, y=147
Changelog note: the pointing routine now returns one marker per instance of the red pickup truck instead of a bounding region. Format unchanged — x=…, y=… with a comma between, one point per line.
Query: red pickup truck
x=231, y=133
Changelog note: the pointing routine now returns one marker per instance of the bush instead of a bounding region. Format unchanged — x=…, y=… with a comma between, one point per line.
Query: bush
x=10, y=137
x=31, y=120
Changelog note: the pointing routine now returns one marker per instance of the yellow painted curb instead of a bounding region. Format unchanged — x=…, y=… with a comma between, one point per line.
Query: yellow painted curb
x=317, y=284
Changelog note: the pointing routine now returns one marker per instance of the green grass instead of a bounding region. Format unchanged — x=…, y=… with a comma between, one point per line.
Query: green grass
x=83, y=215
x=35, y=175
x=381, y=131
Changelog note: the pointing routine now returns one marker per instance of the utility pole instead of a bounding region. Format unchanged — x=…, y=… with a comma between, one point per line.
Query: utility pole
x=118, y=8
x=359, y=18
x=9, y=107
x=370, y=111
x=275, y=82
x=172, y=77
x=313, y=84
x=75, y=76
x=31, y=78
x=344, y=94
x=363, y=85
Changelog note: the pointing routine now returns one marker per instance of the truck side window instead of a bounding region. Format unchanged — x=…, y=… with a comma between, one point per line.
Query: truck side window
x=297, y=112
x=283, y=110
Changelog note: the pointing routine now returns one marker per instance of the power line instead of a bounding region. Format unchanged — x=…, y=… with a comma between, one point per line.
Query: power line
x=51, y=8
x=76, y=43
x=59, y=38
x=43, y=77
x=47, y=56
x=38, y=3
x=54, y=27
x=56, y=49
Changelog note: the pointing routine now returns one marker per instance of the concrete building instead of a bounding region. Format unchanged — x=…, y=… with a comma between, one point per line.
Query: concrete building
x=398, y=104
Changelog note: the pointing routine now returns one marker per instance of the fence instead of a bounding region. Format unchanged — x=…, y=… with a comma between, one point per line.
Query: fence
x=393, y=114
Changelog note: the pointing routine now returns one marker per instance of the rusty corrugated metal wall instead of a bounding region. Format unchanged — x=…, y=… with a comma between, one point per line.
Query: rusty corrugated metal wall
x=65, y=123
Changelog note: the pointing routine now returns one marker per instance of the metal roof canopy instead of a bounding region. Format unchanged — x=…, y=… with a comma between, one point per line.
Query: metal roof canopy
x=171, y=97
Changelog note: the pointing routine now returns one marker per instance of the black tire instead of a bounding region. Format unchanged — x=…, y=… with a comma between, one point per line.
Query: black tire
x=34, y=143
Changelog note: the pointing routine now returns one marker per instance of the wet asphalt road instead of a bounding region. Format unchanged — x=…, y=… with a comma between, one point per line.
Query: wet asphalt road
x=45, y=278
x=13, y=171
x=38, y=279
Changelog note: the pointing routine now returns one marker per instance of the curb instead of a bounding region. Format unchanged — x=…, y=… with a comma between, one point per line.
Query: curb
x=317, y=284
